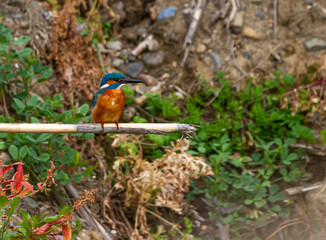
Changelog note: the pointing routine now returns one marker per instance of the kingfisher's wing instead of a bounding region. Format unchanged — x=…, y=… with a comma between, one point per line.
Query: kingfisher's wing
x=99, y=92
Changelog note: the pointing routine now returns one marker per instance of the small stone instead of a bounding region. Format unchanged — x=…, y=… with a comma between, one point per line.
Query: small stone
x=250, y=33
x=5, y=158
x=153, y=46
x=148, y=79
x=315, y=44
x=201, y=48
x=247, y=54
x=131, y=58
x=115, y=45
x=167, y=13
x=187, y=11
x=308, y=2
x=133, y=69
x=259, y=14
x=142, y=32
x=118, y=63
x=128, y=113
x=153, y=13
x=30, y=202
x=153, y=58
x=237, y=24
x=216, y=61
x=257, y=1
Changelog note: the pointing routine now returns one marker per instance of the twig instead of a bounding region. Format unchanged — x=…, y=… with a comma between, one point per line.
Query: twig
x=232, y=14
x=293, y=222
x=130, y=128
x=87, y=214
x=198, y=11
x=166, y=221
x=313, y=150
x=275, y=19
x=243, y=72
x=220, y=14
x=142, y=46
x=101, y=59
x=301, y=189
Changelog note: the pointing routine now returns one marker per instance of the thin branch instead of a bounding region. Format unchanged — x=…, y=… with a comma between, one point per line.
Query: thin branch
x=243, y=72
x=130, y=128
x=275, y=19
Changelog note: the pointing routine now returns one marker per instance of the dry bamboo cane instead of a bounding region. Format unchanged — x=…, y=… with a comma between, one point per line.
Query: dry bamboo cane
x=131, y=128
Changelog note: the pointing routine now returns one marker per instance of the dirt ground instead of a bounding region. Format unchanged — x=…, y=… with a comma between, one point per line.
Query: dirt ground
x=255, y=44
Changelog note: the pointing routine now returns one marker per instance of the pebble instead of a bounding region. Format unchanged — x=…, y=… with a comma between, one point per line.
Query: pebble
x=257, y=1
x=153, y=46
x=118, y=63
x=247, y=54
x=115, y=45
x=133, y=69
x=315, y=44
x=153, y=58
x=141, y=32
x=308, y=2
x=217, y=63
x=128, y=113
x=259, y=14
x=201, y=48
x=251, y=33
x=131, y=58
x=148, y=79
x=30, y=202
x=167, y=13
x=187, y=11
x=237, y=24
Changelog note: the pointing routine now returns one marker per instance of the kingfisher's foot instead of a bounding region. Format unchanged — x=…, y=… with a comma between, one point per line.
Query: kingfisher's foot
x=102, y=132
x=117, y=124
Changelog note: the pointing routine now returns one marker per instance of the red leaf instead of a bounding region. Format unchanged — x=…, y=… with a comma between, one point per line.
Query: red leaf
x=66, y=231
x=19, y=177
x=43, y=229
x=26, y=184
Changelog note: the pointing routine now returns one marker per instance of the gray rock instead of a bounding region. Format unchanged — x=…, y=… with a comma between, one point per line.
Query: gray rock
x=308, y=2
x=30, y=202
x=128, y=113
x=153, y=58
x=115, y=45
x=247, y=54
x=153, y=46
x=315, y=44
x=131, y=58
x=259, y=14
x=257, y=1
x=142, y=32
x=167, y=13
x=118, y=63
x=237, y=24
x=216, y=61
x=133, y=69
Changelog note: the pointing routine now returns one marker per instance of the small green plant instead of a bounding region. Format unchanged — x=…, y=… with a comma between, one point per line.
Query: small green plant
x=19, y=72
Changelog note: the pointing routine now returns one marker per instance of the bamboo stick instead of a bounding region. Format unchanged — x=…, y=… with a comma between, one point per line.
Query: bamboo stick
x=131, y=128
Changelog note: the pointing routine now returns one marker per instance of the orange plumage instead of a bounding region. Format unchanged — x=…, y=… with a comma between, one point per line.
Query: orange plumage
x=109, y=106
x=110, y=100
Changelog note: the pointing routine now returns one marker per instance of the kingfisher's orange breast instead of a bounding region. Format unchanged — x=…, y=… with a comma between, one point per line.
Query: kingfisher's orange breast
x=109, y=106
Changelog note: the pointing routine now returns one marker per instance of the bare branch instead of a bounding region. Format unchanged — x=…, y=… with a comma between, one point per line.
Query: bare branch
x=130, y=128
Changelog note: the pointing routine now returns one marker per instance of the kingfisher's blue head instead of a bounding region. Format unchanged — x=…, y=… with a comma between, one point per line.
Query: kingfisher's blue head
x=115, y=80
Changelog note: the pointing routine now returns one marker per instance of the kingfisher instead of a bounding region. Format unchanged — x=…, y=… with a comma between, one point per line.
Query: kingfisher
x=109, y=101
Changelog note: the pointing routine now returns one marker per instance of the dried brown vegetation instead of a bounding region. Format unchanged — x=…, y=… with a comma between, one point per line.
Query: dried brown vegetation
x=144, y=185
x=76, y=62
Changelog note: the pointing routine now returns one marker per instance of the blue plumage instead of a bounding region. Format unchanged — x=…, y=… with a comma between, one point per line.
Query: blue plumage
x=101, y=91
x=111, y=76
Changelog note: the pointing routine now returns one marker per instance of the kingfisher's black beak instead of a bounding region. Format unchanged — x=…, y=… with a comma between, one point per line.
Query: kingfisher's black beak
x=129, y=80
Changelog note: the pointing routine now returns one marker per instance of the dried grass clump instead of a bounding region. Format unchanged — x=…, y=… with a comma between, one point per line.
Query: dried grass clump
x=161, y=183
x=75, y=60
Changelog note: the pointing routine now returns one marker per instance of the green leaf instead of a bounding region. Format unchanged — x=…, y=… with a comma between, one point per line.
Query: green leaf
x=13, y=150
x=4, y=47
x=77, y=177
x=43, y=137
x=288, y=79
x=83, y=109
x=45, y=76
x=3, y=201
x=32, y=102
x=25, y=215
x=24, y=52
x=44, y=157
x=22, y=40
x=3, y=145
x=35, y=120
x=23, y=151
x=19, y=103
x=88, y=172
x=273, y=189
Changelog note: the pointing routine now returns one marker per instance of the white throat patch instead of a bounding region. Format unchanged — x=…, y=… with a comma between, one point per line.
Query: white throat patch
x=104, y=86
